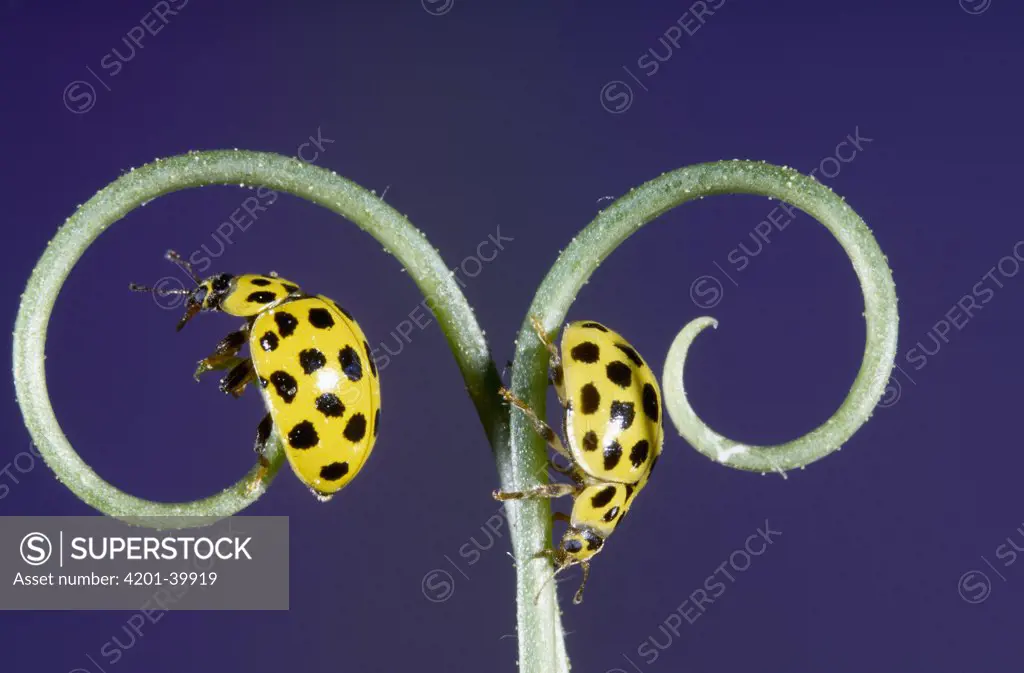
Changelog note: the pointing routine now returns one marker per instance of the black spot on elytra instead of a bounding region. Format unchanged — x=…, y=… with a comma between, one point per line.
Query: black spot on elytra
x=587, y=352
x=612, y=454
x=328, y=404
x=629, y=491
x=590, y=399
x=320, y=318
x=311, y=360
x=286, y=323
x=350, y=363
x=343, y=311
x=376, y=423
x=619, y=373
x=623, y=414
x=590, y=441
x=638, y=454
x=356, y=428
x=611, y=514
x=631, y=354
x=572, y=546
x=260, y=282
x=594, y=325
x=650, y=402
x=334, y=471
x=261, y=297
x=303, y=436
x=369, y=358
x=268, y=341
x=289, y=288
x=263, y=382
x=603, y=497
x=285, y=384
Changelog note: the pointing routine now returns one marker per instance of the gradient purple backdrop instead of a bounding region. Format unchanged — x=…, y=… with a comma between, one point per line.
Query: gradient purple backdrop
x=476, y=116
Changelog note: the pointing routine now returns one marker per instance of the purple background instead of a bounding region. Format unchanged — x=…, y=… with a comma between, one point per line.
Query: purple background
x=489, y=116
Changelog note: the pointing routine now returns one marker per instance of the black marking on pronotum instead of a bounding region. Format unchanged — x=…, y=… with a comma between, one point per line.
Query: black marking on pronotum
x=603, y=497
x=572, y=546
x=286, y=323
x=610, y=515
x=261, y=297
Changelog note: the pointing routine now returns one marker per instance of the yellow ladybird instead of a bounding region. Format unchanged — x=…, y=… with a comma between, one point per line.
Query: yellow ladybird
x=612, y=424
x=314, y=367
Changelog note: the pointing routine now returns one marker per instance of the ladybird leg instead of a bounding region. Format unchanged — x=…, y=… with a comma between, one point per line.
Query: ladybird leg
x=578, y=598
x=542, y=491
x=263, y=431
x=235, y=381
x=557, y=377
x=561, y=516
x=223, y=356
x=542, y=428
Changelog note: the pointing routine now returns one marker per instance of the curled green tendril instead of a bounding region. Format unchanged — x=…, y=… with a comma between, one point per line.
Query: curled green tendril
x=161, y=177
x=879, y=350
x=575, y=265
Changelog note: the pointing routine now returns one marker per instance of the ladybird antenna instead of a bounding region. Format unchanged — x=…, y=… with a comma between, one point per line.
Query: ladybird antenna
x=172, y=256
x=135, y=287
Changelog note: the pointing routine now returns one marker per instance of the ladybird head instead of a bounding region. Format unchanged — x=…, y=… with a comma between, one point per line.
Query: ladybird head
x=577, y=545
x=208, y=294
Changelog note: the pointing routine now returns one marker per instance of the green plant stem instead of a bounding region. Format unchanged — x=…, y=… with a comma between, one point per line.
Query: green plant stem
x=541, y=647
x=277, y=172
